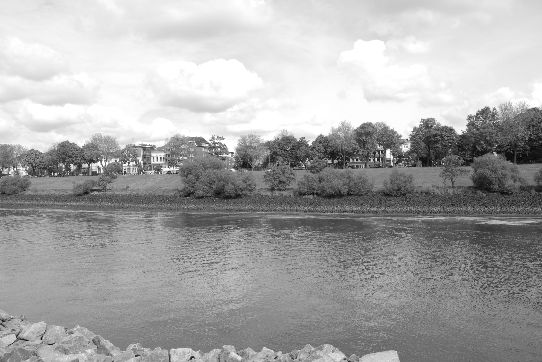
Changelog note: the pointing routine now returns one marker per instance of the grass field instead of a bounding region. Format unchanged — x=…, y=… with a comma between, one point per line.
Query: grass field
x=426, y=177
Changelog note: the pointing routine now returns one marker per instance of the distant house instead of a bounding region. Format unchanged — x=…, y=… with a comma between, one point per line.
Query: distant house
x=378, y=158
x=197, y=147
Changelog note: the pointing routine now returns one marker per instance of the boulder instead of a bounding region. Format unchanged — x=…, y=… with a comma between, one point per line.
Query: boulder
x=4, y=316
x=83, y=331
x=7, y=340
x=14, y=325
x=211, y=356
x=17, y=355
x=303, y=353
x=103, y=346
x=247, y=353
x=125, y=356
x=48, y=354
x=53, y=334
x=184, y=355
x=353, y=358
x=156, y=355
x=138, y=350
x=74, y=343
x=33, y=332
x=332, y=352
x=265, y=355
x=386, y=356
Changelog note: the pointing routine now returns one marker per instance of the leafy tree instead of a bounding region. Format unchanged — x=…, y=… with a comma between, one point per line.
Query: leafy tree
x=366, y=136
x=51, y=162
x=481, y=135
x=282, y=149
x=388, y=138
x=217, y=147
x=7, y=156
x=316, y=165
x=33, y=159
x=157, y=169
x=108, y=146
x=176, y=149
x=513, y=134
x=250, y=151
x=343, y=141
x=279, y=178
x=533, y=120
x=90, y=154
x=69, y=153
x=114, y=168
x=322, y=149
x=451, y=169
x=431, y=141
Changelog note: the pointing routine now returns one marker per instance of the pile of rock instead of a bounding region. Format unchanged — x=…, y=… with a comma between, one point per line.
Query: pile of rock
x=21, y=340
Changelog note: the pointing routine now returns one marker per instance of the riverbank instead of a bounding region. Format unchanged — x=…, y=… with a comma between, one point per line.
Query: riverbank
x=22, y=340
x=463, y=203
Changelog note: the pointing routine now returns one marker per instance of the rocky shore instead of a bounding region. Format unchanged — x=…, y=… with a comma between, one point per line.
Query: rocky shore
x=21, y=340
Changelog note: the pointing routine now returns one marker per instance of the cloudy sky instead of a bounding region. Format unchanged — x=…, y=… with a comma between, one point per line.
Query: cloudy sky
x=144, y=70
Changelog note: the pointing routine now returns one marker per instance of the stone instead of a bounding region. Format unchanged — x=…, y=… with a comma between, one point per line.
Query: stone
x=353, y=358
x=247, y=353
x=74, y=343
x=285, y=358
x=48, y=354
x=138, y=350
x=228, y=354
x=17, y=355
x=83, y=331
x=386, y=356
x=156, y=355
x=303, y=353
x=33, y=332
x=7, y=340
x=211, y=356
x=54, y=334
x=332, y=352
x=265, y=355
x=124, y=356
x=14, y=325
x=5, y=316
x=103, y=346
x=184, y=355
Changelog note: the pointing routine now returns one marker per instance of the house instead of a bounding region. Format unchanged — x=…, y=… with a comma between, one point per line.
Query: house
x=380, y=157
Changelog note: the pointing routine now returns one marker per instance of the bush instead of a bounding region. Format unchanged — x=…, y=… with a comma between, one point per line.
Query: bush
x=279, y=178
x=495, y=174
x=84, y=188
x=105, y=180
x=317, y=166
x=334, y=183
x=451, y=169
x=399, y=184
x=14, y=185
x=197, y=166
x=113, y=168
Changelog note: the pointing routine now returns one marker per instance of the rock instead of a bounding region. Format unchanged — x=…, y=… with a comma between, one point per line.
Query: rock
x=30, y=345
x=353, y=358
x=211, y=356
x=156, y=355
x=265, y=355
x=103, y=346
x=74, y=343
x=184, y=355
x=53, y=334
x=124, y=356
x=7, y=340
x=386, y=356
x=33, y=332
x=228, y=354
x=4, y=316
x=14, y=325
x=285, y=358
x=17, y=355
x=303, y=353
x=48, y=354
x=138, y=350
x=83, y=331
x=332, y=352
x=247, y=353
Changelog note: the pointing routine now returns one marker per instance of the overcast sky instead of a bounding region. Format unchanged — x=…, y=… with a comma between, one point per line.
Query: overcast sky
x=144, y=70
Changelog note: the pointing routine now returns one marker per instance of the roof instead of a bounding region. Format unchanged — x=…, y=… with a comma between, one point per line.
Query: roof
x=199, y=141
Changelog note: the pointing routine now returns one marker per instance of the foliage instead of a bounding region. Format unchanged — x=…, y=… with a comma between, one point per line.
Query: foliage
x=538, y=178
x=250, y=151
x=366, y=138
x=176, y=149
x=322, y=148
x=387, y=138
x=84, y=188
x=513, y=135
x=90, y=154
x=157, y=169
x=317, y=165
x=107, y=145
x=431, y=141
x=196, y=166
x=286, y=149
x=114, y=168
x=279, y=178
x=495, y=174
x=342, y=140
x=105, y=180
x=33, y=159
x=334, y=183
x=69, y=153
x=217, y=148
x=14, y=185
x=11, y=155
x=451, y=169
x=399, y=184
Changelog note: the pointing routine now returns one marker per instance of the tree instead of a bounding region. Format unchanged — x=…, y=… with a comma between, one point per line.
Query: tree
x=69, y=153
x=90, y=154
x=533, y=120
x=342, y=139
x=451, y=169
x=108, y=146
x=431, y=141
x=282, y=149
x=217, y=148
x=33, y=159
x=279, y=178
x=322, y=149
x=51, y=161
x=176, y=149
x=513, y=135
x=481, y=135
x=388, y=138
x=250, y=151
x=366, y=139
x=7, y=156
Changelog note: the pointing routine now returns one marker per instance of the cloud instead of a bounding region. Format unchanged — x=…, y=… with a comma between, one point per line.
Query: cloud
x=381, y=77
x=40, y=118
x=29, y=60
x=59, y=90
x=213, y=86
x=536, y=94
x=409, y=44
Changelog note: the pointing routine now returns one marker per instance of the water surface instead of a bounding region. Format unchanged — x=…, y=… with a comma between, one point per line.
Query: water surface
x=445, y=289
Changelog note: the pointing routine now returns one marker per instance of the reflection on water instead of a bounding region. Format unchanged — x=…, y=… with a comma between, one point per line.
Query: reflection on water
x=432, y=288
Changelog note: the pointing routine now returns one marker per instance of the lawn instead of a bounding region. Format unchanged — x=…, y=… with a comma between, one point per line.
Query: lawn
x=426, y=177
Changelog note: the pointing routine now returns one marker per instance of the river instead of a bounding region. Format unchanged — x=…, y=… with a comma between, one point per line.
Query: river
x=434, y=289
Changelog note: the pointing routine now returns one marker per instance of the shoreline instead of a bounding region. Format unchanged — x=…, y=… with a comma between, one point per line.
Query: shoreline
x=521, y=204
x=22, y=340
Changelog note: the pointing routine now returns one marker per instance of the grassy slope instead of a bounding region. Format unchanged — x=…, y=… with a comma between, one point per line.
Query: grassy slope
x=168, y=184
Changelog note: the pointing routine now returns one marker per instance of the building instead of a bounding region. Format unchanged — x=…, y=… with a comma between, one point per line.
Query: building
x=379, y=158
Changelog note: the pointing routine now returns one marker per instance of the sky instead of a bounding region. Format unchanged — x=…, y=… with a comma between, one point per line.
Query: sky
x=143, y=70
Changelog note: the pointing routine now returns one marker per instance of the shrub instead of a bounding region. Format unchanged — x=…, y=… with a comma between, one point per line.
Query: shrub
x=317, y=166
x=279, y=178
x=84, y=187
x=308, y=185
x=197, y=166
x=357, y=183
x=14, y=185
x=451, y=169
x=334, y=183
x=105, y=180
x=495, y=174
x=331, y=183
x=113, y=168
x=399, y=184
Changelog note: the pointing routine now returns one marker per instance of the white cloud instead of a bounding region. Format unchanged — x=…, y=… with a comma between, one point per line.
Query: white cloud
x=40, y=118
x=381, y=77
x=213, y=86
x=409, y=44
x=536, y=95
x=29, y=60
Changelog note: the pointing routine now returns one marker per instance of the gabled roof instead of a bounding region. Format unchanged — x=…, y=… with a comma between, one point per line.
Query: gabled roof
x=199, y=141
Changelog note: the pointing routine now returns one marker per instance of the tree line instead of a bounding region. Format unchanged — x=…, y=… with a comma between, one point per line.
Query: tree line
x=513, y=130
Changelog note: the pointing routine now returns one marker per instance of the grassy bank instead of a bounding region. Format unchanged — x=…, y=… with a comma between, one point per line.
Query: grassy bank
x=424, y=178
x=466, y=203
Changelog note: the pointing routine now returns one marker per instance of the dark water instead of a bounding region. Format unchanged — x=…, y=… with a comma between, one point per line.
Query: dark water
x=435, y=289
